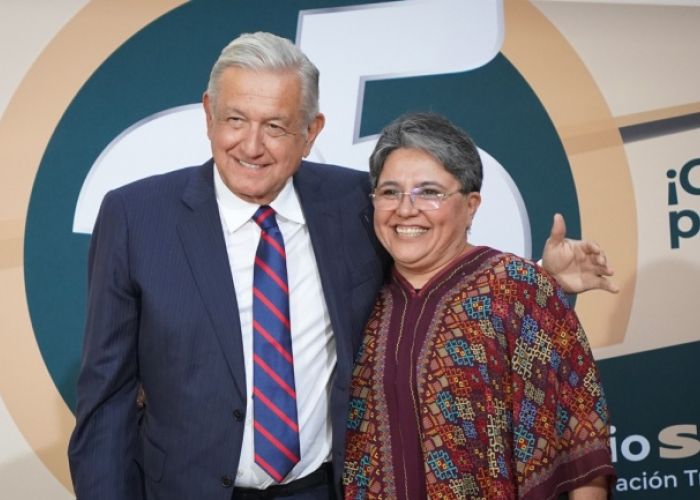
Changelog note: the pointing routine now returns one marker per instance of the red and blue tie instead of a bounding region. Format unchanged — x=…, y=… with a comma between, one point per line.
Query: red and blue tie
x=274, y=394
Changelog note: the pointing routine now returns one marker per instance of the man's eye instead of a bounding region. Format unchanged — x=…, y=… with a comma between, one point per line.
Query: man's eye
x=235, y=121
x=275, y=130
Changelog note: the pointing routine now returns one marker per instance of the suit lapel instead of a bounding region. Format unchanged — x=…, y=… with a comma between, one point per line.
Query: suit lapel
x=202, y=238
x=325, y=221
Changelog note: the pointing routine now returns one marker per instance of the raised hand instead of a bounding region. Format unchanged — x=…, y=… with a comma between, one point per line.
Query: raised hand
x=577, y=265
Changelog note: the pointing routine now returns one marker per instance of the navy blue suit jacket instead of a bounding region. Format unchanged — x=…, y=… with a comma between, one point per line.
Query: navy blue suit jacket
x=162, y=313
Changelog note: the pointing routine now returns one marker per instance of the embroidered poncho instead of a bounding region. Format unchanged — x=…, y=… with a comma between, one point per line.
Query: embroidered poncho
x=480, y=385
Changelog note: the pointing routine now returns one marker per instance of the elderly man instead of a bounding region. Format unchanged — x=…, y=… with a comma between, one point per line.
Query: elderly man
x=235, y=293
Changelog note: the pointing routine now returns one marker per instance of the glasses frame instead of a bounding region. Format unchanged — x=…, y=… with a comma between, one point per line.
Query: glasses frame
x=412, y=195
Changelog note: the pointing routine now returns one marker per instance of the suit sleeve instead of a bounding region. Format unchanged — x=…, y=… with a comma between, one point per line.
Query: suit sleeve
x=103, y=446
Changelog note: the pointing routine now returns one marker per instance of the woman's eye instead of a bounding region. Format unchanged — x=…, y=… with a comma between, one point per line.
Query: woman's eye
x=429, y=193
x=389, y=193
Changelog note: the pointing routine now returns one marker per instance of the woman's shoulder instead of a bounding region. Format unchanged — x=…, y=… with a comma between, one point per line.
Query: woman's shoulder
x=508, y=258
x=510, y=266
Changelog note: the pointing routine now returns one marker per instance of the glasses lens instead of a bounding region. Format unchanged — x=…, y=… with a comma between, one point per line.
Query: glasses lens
x=385, y=202
x=420, y=199
x=426, y=204
x=391, y=200
x=426, y=199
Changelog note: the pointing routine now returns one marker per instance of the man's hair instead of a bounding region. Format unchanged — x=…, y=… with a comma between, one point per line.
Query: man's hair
x=436, y=136
x=267, y=52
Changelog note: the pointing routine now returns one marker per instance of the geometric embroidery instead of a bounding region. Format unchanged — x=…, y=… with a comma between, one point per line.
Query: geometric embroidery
x=562, y=420
x=447, y=405
x=459, y=352
x=356, y=413
x=591, y=384
x=509, y=399
x=534, y=393
x=503, y=467
x=528, y=412
x=442, y=465
x=542, y=347
x=469, y=429
x=487, y=328
x=524, y=443
x=497, y=324
x=477, y=307
x=520, y=271
x=555, y=360
x=529, y=329
x=484, y=371
x=601, y=408
x=564, y=298
x=464, y=406
x=362, y=478
x=522, y=364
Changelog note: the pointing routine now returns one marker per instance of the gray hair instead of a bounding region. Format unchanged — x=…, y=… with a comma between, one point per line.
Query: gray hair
x=437, y=136
x=267, y=52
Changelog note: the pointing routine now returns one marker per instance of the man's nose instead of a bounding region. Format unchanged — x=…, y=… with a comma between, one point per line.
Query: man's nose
x=252, y=141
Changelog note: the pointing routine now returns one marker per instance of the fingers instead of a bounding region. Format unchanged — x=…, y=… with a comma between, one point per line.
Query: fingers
x=604, y=283
x=594, y=248
x=605, y=271
x=600, y=262
x=598, y=267
x=588, y=248
x=558, y=232
x=600, y=258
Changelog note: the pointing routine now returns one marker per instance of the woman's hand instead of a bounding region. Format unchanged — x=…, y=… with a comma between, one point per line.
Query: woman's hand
x=577, y=265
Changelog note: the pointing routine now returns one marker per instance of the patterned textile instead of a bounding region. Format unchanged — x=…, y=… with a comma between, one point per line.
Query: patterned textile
x=480, y=385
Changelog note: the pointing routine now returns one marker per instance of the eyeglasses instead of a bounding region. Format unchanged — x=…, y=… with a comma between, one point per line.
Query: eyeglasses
x=240, y=125
x=421, y=198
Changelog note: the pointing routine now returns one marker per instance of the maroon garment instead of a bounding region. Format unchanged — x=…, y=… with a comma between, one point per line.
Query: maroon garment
x=480, y=385
x=405, y=340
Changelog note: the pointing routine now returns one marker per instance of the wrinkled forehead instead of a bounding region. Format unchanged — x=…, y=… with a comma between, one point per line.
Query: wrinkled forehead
x=241, y=79
x=243, y=88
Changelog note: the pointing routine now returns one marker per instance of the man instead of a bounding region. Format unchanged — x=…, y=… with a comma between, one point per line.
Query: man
x=173, y=295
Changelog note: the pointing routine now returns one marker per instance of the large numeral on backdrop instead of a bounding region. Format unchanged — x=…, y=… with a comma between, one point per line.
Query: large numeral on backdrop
x=350, y=46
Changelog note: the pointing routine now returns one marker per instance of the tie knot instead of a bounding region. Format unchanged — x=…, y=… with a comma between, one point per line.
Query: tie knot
x=265, y=218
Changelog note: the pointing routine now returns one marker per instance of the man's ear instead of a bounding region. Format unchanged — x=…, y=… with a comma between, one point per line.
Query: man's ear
x=206, y=102
x=314, y=128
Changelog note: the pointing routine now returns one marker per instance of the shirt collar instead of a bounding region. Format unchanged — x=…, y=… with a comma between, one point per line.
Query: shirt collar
x=236, y=211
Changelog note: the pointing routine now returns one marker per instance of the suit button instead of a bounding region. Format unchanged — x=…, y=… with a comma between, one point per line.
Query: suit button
x=226, y=481
x=238, y=415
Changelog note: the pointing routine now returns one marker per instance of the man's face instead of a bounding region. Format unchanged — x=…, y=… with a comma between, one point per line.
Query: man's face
x=252, y=109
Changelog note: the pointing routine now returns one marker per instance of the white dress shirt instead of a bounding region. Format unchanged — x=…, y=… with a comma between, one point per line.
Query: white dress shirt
x=313, y=344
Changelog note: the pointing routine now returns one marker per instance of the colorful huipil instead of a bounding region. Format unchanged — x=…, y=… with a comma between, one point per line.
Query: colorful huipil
x=479, y=385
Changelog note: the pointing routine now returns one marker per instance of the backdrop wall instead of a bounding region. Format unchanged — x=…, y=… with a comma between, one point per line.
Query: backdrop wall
x=588, y=108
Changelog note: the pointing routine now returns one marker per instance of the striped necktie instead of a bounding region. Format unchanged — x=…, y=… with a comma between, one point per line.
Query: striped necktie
x=274, y=394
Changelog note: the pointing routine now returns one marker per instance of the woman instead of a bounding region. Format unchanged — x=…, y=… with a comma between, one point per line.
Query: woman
x=475, y=378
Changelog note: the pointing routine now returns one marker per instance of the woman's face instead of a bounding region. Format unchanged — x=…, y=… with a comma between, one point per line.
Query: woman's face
x=422, y=242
